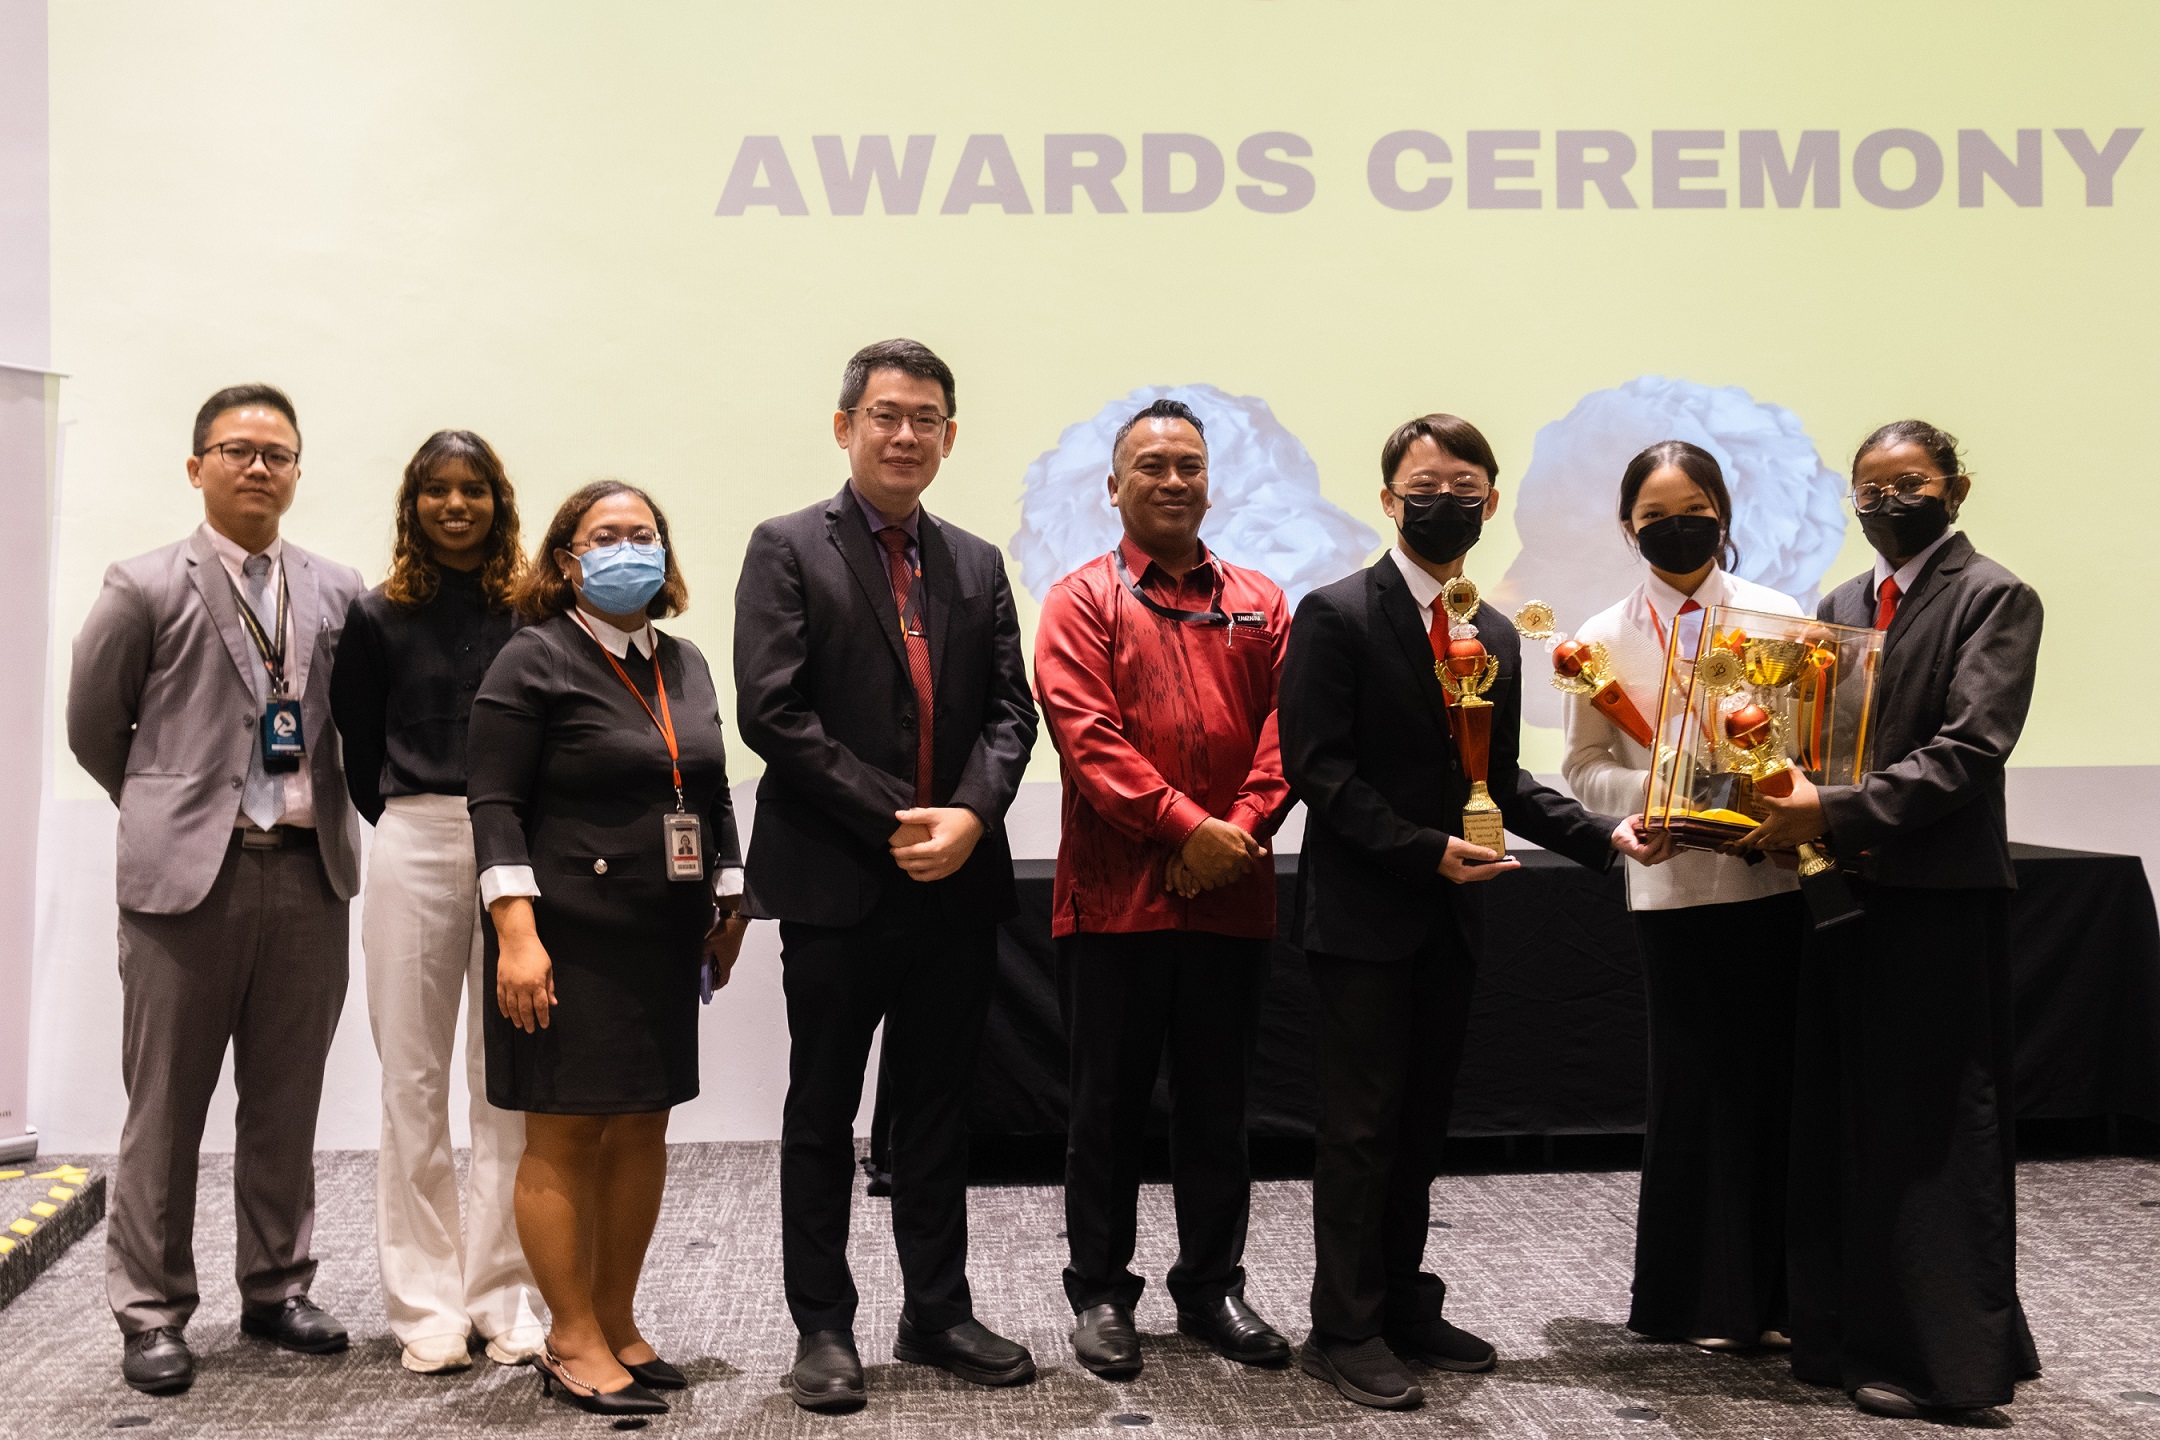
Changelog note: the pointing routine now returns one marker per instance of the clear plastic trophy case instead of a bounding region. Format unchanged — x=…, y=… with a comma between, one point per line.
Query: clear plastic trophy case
x=1764, y=696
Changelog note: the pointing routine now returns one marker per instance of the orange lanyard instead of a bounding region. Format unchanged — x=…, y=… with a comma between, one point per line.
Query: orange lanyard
x=664, y=722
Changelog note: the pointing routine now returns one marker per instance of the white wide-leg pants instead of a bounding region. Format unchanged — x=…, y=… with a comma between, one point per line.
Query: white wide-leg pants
x=420, y=930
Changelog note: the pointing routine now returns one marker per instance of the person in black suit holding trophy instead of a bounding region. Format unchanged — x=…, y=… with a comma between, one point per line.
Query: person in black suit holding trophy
x=1903, y=1214
x=1394, y=763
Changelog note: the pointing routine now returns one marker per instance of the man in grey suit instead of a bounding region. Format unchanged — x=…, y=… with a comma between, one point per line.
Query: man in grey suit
x=200, y=701
x=1903, y=1246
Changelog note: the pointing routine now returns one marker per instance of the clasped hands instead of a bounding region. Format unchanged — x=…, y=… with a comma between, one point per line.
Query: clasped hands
x=934, y=841
x=1216, y=854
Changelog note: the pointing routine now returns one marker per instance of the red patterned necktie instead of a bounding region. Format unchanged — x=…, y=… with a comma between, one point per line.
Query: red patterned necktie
x=1886, y=603
x=895, y=541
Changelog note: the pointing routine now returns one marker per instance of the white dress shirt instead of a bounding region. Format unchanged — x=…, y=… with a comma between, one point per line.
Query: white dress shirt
x=499, y=880
x=1610, y=772
x=297, y=786
x=1423, y=588
x=1907, y=574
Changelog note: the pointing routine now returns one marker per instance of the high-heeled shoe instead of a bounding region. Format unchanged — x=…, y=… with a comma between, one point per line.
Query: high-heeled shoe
x=655, y=1374
x=632, y=1399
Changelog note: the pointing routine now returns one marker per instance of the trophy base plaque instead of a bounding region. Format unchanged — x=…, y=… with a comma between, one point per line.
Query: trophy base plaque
x=1830, y=901
x=1481, y=823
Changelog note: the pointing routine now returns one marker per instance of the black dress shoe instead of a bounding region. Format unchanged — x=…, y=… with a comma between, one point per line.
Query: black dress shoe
x=1442, y=1346
x=157, y=1362
x=1366, y=1372
x=1106, y=1342
x=969, y=1350
x=827, y=1376
x=655, y=1374
x=632, y=1399
x=1235, y=1332
x=1892, y=1401
x=297, y=1323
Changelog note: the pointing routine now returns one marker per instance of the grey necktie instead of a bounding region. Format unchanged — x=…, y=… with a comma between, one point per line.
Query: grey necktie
x=264, y=798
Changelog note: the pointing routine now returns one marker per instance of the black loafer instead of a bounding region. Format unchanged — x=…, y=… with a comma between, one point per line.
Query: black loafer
x=827, y=1376
x=157, y=1362
x=655, y=1374
x=1366, y=1372
x=969, y=1350
x=1105, y=1341
x=1443, y=1346
x=298, y=1323
x=1231, y=1328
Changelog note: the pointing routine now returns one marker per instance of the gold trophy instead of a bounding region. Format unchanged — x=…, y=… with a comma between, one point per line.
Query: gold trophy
x=1467, y=670
x=1583, y=667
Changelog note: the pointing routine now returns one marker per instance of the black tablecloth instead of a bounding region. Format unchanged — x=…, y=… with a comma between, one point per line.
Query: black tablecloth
x=1557, y=1039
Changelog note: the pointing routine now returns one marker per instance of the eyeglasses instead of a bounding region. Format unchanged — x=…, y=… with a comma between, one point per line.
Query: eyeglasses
x=241, y=454
x=1461, y=487
x=1867, y=499
x=927, y=424
x=607, y=535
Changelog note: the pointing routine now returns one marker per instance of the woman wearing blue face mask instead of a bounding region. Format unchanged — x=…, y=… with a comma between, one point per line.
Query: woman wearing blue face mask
x=609, y=867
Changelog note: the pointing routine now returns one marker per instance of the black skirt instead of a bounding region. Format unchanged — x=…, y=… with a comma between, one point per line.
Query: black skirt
x=1710, y=1222
x=622, y=1037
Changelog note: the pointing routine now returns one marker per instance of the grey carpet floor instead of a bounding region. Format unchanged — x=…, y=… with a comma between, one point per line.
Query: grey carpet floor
x=1537, y=1263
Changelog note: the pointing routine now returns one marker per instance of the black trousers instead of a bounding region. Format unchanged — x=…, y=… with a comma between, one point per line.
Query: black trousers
x=1710, y=1221
x=1123, y=997
x=1389, y=1043
x=1904, y=1208
x=929, y=981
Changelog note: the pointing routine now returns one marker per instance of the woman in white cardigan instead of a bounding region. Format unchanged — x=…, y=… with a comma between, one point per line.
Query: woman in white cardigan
x=1720, y=941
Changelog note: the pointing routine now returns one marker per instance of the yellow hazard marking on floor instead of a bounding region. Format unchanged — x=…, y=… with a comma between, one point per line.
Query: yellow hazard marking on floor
x=11, y=1174
x=6, y=1245
x=44, y=1209
x=65, y=1174
x=24, y=1227
x=61, y=1192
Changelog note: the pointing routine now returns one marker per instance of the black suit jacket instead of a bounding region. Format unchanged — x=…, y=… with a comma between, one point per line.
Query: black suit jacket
x=1367, y=747
x=1956, y=681
x=823, y=694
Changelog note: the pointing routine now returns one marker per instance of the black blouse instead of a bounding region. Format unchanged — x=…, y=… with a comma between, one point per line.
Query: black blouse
x=402, y=688
x=571, y=777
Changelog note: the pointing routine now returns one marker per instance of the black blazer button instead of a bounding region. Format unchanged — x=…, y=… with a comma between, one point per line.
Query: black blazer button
x=599, y=867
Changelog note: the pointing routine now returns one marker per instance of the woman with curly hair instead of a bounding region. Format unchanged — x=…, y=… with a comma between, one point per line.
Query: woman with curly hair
x=411, y=659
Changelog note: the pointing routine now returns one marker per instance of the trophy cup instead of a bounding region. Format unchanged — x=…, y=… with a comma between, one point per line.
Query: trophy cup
x=1583, y=667
x=1466, y=670
x=1766, y=706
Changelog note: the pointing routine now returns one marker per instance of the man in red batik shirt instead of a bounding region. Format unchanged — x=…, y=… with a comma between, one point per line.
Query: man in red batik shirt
x=1156, y=666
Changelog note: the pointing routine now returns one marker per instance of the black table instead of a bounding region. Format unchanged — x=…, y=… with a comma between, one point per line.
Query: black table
x=1557, y=1031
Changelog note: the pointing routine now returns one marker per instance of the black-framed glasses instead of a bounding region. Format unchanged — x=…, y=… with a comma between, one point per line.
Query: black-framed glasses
x=241, y=454
x=1867, y=499
x=1462, y=488
x=927, y=424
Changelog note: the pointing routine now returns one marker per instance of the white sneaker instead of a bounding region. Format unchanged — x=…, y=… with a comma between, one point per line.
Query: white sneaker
x=516, y=1347
x=436, y=1355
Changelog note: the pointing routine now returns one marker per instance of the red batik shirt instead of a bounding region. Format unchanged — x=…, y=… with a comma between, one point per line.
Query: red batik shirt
x=1160, y=724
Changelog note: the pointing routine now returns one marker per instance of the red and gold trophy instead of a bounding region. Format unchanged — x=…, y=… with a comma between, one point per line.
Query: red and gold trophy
x=1755, y=743
x=1467, y=670
x=1584, y=667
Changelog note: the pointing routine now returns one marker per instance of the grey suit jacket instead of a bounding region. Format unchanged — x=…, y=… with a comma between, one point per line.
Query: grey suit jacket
x=1956, y=681
x=162, y=713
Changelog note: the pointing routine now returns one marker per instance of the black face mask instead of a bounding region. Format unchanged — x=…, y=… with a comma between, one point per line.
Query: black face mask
x=1681, y=544
x=1904, y=525
x=1441, y=528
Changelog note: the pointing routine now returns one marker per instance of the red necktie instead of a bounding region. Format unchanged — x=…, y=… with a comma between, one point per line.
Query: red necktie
x=1886, y=603
x=895, y=541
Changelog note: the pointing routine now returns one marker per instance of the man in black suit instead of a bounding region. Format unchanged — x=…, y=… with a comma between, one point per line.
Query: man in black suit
x=879, y=672
x=1904, y=1235
x=1384, y=910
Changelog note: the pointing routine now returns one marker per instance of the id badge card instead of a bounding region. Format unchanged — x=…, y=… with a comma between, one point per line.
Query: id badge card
x=283, y=743
x=685, y=846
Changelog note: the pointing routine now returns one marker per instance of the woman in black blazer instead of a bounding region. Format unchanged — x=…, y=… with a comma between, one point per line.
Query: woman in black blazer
x=609, y=866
